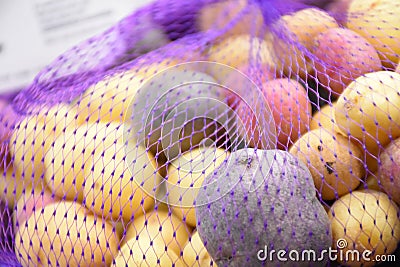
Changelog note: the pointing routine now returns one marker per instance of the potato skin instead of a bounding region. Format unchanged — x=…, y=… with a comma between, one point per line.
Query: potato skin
x=366, y=219
x=65, y=234
x=342, y=56
x=290, y=107
x=368, y=109
x=333, y=160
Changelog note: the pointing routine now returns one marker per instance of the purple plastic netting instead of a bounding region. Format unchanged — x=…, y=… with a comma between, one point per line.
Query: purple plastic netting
x=211, y=133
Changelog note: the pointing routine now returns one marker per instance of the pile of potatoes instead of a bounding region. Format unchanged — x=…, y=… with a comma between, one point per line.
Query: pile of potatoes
x=350, y=143
x=75, y=200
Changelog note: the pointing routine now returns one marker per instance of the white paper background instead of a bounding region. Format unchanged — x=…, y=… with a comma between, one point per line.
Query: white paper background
x=34, y=32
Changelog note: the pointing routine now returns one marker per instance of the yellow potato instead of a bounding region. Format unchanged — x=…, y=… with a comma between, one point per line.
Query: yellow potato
x=195, y=253
x=299, y=30
x=325, y=118
x=333, y=160
x=10, y=188
x=367, y=220
x=238, y=51
x=65, y=234
x=109, y=99
x=141, y=252
x=368, y=108
x=34, y=135
x=160, y=225
x=378, y=22
x=71, y=153
x=185, y=178
x=113, y=177
x=217, y=16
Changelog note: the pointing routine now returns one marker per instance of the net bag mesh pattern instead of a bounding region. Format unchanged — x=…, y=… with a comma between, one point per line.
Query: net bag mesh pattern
x=211, y=133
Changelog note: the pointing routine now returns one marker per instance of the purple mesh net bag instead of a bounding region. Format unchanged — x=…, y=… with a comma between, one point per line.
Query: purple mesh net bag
x=211, y=133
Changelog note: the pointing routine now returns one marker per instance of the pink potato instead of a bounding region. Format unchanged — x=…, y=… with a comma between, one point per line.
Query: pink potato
x=342, y=56
x=398, y=68
x=389, y=170
x=290, y=107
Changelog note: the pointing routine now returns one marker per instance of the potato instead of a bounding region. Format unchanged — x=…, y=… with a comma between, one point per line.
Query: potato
x=109, y=99
x=71, y=153
x=185, y=177
x=290, y=107
x=178, y=109
x=378, y=22
x=121, y=181
x=146, y=252
x=368, y=108
x=10, y=188
x=325, y=118
x=365, y=220
x=195, y=253
x=33, y=136
x=217, y=16
x=389, y=170
x=342, y=56
x=238, y=51
x=293, y=38
x=65, y=234
x=334, y=162
x=159, y=225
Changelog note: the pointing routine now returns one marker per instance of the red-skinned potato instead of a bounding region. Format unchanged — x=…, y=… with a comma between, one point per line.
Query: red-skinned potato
x=342, y=56
x=290, y=107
